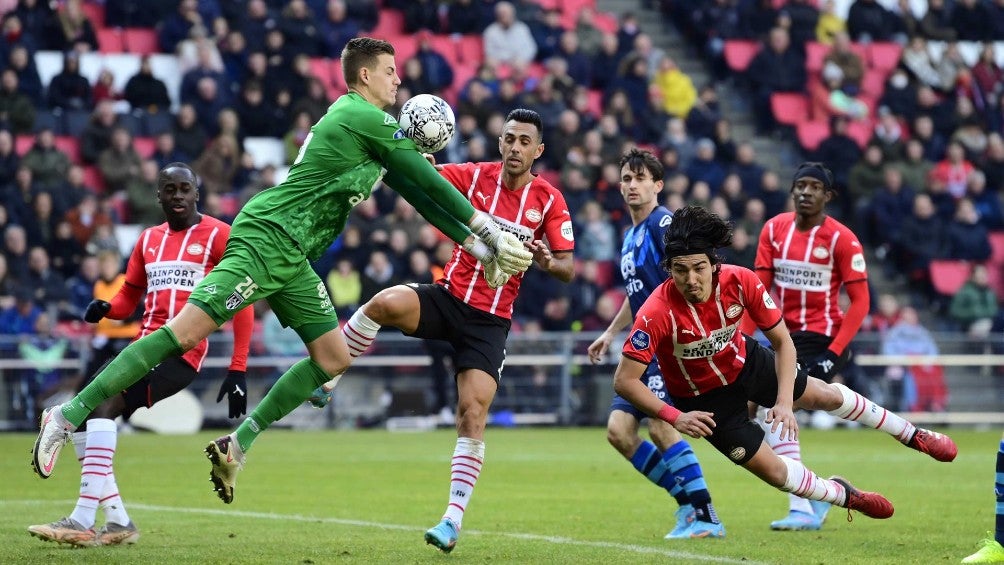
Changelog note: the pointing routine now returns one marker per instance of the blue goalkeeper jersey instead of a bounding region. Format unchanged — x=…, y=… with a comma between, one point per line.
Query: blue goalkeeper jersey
x=641, y=255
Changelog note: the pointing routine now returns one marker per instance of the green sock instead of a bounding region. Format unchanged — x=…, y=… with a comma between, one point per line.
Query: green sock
x=127, y=368
x=292, y=388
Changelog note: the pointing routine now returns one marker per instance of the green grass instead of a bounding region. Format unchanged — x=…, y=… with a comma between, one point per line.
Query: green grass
x=545, y=496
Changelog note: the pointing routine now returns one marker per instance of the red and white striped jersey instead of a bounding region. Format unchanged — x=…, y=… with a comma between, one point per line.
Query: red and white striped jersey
x=807, y=268
x=699, y=346
x=168, y=264
x=534, y=211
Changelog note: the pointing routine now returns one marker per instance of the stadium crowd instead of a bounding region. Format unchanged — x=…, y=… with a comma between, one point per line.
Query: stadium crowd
x=916, y=144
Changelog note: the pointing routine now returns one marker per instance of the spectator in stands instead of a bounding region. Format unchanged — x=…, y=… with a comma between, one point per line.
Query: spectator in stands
x=9, y=160
x=595, y=236
x=995, y=16
x=868, y=21
x=104, y=238
x=295, y=137
x=105, y=89
x=747, y=169
x=96, y=137
x=974, y=306
x=256, y=116
x=742, y=252
x=971, y=132
x=777, y=68
x=413, y=78
x=17, y=112
x=119, y=163
x=917, y=59
x=128, y=13
x=936, y=24
x=71, y=190
x=80, y=285
x=178, y=26
x=889, y=134
x=299, y=29
x=992, y=163
x=74, y=30
x=189, y=134
x=846, y=63
x=20, y=196
x=930, y=139
x=913, y=167
x=987, y=86
x=85, y=218
x=866, y=176
x=953, y=171
x=207, y=64
x=69, y=90
x=546, y=101
x=704, y=167
x=508, y=40
x=725, y=145
x=953, y=71
x=64, y=251
x=255, y=23
x=41, y=230
x=966, y=238
x=229, y=123
x=577, y=62
x=888, y=209
x=48, y=287
x=15, y=249
x=588, y=36
x=757, y=18
x=970, y=20
x=315, y=102
x=677, y=91
x=13, y=34
x=803, y=16
x=435, y=68
x=987, y=204
x=345, y=287
x=713, y=23
x=377, y=275
x=146, y=92
x=218, y=164
x=908, y=337
x=547, y=32
x=47, y=163
x=337, y=29
x=606, y=62
x=839, y=151
x=20, y=318
x=35, y=17
x=900, y=95
x=143, y=208
x=7, y=285
x=165, y=151
x=208, y=103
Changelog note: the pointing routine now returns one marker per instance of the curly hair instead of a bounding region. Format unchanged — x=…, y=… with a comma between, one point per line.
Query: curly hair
x=695, y=230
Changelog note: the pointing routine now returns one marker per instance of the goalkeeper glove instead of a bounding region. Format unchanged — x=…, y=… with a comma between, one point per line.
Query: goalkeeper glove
x=235, y=387
x=494, y=274
x=510, y=255
x=96, y=310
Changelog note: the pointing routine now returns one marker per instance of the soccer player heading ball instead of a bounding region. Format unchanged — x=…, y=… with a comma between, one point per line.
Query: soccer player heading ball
x=711, y=369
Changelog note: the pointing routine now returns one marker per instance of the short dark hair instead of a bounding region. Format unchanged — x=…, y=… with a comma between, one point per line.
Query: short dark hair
x=695, y=230
x=179, y=165
x=527, y=116
x=638, y=159
x=362, y=52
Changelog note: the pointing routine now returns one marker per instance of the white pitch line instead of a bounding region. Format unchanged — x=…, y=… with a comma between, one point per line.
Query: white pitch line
x=382, y=526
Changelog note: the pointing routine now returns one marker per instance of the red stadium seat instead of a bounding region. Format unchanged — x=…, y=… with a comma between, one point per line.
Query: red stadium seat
x=110, y=40
x=390, y=24
x=739, y=53
x=472, y=50
x=23, y=143
x=445, y=46
x=861, y=131
x=69, y=145
x=997, y=245
x=948, y=275
x=873, y=83
x=93, y=179
x=995, y=278
x=811, y=134
x=94, y=12
x=141, y=41
x=604, y=22
x=790, y=108
x=145, y=146
x=884, y=56
x=320, y=67
x=815, y=52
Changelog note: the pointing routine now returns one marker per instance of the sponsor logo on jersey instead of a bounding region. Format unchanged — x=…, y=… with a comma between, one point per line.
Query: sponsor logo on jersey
x=152, y=250
x=802, y=275
x=524, y=233
x=777, y=245
x=707, y=347
x=483, y=197
x=737, y=453
x=399, y=134
x=566, y=230
x=195, y=249
x=533, y=215
x=322, y=293
x=210, y=289
x=858, y=262
x=640, y=340
x=820, y=253
x=388, y=119
x=173, y=275
x=665, y=221
x=734, y=311
x=768, y=301
x=639, y=238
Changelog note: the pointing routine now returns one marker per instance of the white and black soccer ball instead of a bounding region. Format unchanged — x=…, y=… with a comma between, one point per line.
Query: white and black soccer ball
x=428, y=120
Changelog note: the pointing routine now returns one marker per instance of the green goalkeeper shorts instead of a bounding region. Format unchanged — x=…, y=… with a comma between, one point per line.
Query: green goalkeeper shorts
x=262, y=261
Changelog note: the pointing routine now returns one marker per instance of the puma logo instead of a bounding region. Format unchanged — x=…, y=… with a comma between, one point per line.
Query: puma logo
x=777, y=245
x=152, y=250
x=646, y=320
x=483, y=197
x=687, y=332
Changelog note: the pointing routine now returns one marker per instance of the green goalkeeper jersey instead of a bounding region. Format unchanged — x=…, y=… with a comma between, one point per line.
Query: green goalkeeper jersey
x=339, y=163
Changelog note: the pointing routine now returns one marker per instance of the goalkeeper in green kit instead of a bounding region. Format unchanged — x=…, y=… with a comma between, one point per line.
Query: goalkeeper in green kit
x=276, y=234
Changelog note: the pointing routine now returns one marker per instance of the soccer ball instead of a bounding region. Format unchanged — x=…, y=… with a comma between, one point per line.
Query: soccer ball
x=428, y=120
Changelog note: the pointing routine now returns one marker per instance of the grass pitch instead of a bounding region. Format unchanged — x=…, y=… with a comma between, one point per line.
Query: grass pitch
x=545, y=496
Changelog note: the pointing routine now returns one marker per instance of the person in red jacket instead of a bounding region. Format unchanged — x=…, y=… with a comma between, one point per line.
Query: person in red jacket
x=166, y=264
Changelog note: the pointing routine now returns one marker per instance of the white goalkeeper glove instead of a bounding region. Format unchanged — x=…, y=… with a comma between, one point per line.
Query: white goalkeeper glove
x=494, y=274
x=510, y=254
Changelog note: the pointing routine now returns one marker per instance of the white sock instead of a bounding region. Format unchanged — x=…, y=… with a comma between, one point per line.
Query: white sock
x=468, y=456
x=792, y=450
x=95, y=466
x=805, y=483
x=111, y=502
x=359, y=332
x=79, y=445
x=856, y=408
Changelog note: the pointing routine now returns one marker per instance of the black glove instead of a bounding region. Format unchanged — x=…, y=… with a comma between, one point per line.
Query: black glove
x=824, y=366
x=96, y=310
x=235, y=387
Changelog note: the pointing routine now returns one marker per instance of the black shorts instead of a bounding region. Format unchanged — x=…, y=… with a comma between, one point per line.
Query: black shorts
x=735, y=434
x=478, y=337
x=165, y=380
x=810, y=345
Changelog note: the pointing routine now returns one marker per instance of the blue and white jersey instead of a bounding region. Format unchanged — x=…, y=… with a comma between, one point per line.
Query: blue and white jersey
x=641, y=253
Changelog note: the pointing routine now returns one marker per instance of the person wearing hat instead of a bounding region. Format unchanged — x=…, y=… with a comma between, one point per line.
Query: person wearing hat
x=805, y=257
